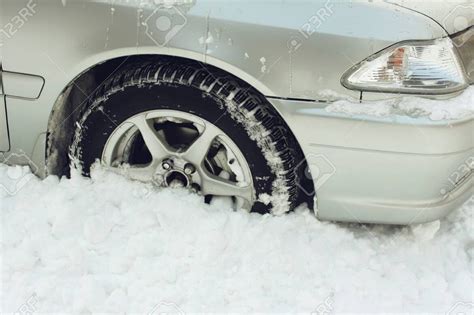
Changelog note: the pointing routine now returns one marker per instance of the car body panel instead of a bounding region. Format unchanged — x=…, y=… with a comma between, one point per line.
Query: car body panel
x=452, y=15
x=280, y=48
x=321, y=31
x=115, y=29
x=397, y=170
x=61, y=40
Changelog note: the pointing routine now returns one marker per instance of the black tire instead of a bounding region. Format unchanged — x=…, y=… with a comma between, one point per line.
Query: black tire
x=241, y=112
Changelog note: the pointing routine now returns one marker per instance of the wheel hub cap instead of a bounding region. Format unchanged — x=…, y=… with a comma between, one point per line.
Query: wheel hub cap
x=176, y=149
x=175, y=172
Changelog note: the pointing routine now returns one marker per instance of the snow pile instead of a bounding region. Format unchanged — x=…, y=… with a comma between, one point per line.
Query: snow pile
x=110, y=245
x=450, y=109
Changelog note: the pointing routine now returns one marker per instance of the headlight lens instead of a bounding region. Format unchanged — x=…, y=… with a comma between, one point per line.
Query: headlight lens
x=422, y=67
x=464, y=41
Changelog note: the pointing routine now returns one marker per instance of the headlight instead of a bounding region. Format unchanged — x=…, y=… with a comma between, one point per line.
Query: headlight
x=422, y=67
x=464, y=41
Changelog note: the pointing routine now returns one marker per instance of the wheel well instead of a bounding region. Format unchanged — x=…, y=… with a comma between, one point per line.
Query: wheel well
x=66, y=111
x=71, y=103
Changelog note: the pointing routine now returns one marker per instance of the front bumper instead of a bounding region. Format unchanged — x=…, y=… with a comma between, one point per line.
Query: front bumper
x=394, y=170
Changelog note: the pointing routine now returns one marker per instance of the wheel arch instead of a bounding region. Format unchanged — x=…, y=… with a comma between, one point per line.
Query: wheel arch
x=84, y=78
x=65, y=110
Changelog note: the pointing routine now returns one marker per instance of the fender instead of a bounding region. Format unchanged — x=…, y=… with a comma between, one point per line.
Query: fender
x=102, y=57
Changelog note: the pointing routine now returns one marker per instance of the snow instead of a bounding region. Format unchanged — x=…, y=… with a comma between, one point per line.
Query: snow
x=454, y=108
x=263, y=60
x=107, y=244
x=206, y=41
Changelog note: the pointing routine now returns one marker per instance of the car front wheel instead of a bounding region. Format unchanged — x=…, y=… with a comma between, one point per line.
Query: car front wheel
x=181, y=125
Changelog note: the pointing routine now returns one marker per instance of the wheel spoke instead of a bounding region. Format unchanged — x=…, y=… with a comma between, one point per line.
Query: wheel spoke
x=158, y=148
x=218, y=186
x=197, y=151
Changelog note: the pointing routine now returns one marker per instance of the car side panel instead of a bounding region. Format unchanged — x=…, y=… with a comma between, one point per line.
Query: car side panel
x=452, y=15
x=300, y=49
x=58, y=40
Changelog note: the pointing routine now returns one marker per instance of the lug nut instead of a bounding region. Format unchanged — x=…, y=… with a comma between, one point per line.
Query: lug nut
x=167, y=164
x=189, y=169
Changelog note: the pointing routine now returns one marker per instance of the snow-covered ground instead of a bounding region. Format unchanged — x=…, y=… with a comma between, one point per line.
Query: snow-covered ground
x=110, y=245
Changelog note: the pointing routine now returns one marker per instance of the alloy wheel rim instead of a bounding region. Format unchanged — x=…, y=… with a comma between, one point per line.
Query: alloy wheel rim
x=207, y=161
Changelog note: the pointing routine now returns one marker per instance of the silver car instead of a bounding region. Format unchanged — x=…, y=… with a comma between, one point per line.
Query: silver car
x=230, y=99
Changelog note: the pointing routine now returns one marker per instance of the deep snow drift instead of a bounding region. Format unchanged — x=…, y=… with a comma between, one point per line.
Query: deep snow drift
x=111, y=245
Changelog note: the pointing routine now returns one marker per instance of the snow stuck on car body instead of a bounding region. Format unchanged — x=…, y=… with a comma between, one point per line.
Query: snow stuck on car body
x=458, y=107
x=107, y=244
